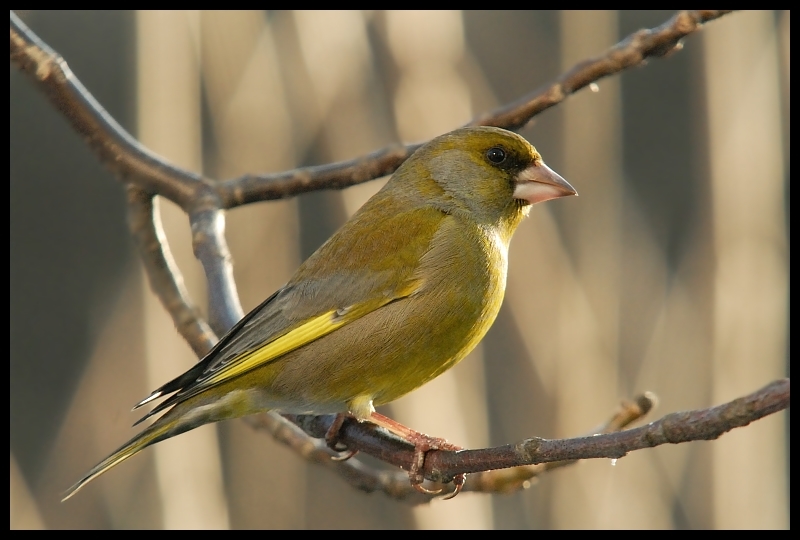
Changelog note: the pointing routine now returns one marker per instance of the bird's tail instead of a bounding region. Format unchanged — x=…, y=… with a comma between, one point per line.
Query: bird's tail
x=165, y=427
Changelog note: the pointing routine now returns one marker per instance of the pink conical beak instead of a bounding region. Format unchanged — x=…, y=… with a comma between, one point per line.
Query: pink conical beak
x=539, y=183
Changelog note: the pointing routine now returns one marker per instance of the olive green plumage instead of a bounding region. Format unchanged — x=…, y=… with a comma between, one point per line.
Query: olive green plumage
x=402, y=292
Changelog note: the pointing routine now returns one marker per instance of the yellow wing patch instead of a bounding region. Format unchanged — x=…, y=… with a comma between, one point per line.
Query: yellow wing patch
x=307, y=332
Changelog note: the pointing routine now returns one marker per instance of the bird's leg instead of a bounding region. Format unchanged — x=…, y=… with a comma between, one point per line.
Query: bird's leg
x=422, y=444
x=332, y=439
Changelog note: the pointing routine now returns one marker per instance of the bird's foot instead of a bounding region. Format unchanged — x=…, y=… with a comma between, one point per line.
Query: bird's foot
x=422, y=445
x=332, y=439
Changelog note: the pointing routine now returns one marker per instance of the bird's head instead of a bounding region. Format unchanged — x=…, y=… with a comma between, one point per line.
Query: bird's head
x=490, y=173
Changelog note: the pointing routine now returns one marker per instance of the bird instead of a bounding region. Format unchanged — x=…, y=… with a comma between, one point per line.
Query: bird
x=403, y=291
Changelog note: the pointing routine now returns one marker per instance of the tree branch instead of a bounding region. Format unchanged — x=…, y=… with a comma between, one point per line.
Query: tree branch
x=511, y=467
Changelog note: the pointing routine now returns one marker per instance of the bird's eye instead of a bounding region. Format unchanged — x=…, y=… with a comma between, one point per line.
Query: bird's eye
x=496, y=155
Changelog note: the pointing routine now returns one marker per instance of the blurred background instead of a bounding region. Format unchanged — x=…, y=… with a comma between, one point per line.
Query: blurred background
x=669, y=273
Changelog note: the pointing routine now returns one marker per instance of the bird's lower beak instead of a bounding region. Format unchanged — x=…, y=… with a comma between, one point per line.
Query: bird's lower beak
x=539, y=183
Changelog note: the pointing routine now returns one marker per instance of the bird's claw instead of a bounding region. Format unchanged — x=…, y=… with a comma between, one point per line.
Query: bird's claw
x=332, y=440
x=458, y=482
x=345, y=455
x=425, y=491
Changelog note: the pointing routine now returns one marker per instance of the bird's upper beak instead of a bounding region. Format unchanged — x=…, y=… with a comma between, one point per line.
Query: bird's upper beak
x=540, y=183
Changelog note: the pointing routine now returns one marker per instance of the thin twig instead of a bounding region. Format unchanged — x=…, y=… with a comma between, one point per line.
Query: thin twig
x=632, y=51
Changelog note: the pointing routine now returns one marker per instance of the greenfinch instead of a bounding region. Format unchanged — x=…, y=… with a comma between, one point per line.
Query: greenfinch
x=401, y=293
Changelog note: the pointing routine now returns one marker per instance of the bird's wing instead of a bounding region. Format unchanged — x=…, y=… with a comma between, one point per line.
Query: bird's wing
x=360, y=269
